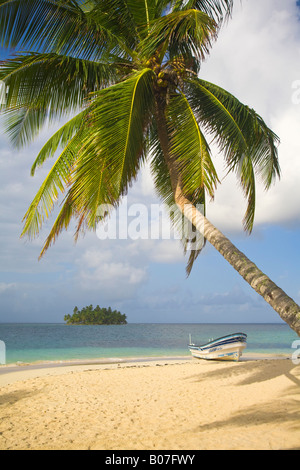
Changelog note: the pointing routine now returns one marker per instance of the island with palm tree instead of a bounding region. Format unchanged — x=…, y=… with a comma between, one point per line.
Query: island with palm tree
x=129, y=73
x=95, y=316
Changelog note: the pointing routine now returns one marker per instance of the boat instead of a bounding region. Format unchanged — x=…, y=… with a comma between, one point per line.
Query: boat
x=226, y=348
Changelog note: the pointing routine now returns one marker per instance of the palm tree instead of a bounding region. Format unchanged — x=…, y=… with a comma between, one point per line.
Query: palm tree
x=128, y=72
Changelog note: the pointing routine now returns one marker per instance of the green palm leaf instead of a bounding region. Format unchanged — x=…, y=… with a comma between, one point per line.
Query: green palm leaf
x=61, y=223
x=46, y=86
x=23, y=124
x=119, y=23
x=193, y=158
x=102, y=158
x=164, y=189
x=54, y=26
x=56, y=181
x=244, y=138
x=247, y=180
x=190, y=150
x=70, y=138
x=179, y=33
x=120, y=117
x=61, y=138
x=236, y=128
x=219, y=10
x=143, y=13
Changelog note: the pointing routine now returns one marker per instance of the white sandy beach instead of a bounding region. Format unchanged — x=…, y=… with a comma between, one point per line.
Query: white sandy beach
x=157, y=405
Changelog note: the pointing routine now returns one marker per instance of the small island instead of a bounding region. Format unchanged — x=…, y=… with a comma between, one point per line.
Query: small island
x=95, y=316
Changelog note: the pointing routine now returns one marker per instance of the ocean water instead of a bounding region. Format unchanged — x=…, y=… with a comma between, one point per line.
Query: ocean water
x=57, y=342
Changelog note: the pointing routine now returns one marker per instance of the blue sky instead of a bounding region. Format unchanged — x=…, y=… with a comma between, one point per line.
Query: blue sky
x=257, y=59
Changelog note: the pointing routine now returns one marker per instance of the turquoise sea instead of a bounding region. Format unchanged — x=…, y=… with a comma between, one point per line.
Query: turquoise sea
x=57, y=342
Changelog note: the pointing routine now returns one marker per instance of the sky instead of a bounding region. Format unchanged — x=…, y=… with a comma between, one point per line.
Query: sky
x=256, y=58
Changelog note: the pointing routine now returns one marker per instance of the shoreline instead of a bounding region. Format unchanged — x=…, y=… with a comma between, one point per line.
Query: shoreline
x=126, y=359
x=11, y=373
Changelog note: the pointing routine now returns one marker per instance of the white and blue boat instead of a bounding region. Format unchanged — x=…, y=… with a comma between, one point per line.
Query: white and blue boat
x=226, y=348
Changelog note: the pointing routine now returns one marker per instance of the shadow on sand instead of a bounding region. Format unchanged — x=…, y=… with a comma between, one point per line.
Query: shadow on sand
x=284, y=410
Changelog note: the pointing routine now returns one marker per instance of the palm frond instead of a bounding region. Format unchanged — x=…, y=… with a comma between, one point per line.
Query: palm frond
x=23, y=124
x=190, y=150
x=159, y=168
x=119, y=120
x=219, y=10
x=46, y=86
x=240, y=134
x=119, y=20
x=101, y=159
x=85, y=204
x=264, y=152
x=221, y=115
x=93, y=184
x=248, y=184
x=143, y=13
x=61, y=138
x=192, y=154
x=53, y=26
x=190, y=240
x=64, y=82
x=179, y=33
x=55, y=183
x=61, y=223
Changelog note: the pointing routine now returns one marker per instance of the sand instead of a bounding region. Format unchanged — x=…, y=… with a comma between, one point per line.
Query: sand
x=159, y=405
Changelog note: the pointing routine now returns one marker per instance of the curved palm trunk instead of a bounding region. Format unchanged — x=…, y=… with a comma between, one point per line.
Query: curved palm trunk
x=286, y=307
x=288, y=310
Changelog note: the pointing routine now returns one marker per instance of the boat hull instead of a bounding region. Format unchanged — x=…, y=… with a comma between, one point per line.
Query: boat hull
x=222, y=353
x=228, y=348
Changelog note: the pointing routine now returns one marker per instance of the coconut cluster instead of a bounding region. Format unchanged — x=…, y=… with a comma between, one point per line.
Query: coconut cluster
x=167, y=76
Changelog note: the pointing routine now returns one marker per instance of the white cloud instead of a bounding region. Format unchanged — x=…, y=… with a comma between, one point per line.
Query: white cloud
x=281, y=203
x=109, y=271
x=167, y=251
